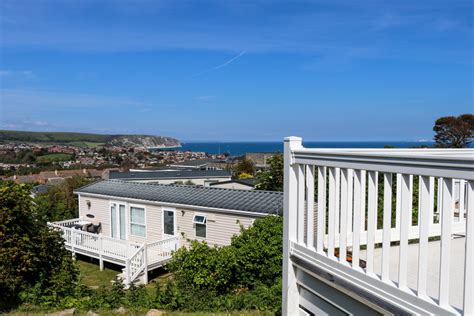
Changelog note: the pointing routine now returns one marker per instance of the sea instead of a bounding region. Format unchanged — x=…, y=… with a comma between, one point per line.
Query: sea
x=241, y=148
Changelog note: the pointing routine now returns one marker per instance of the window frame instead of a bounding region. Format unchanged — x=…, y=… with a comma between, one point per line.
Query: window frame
x=117, y=219
x=130, y=223
x=195, y=223
x=175, y=224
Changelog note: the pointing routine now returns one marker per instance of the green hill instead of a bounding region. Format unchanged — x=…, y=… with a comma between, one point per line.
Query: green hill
x=85, y=139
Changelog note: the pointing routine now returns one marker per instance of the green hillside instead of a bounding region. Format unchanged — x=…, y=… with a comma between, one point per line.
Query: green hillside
x=83, y=139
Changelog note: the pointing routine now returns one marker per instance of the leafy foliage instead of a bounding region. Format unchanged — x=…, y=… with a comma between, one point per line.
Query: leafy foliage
x=34, y=265
x=245, y=166
x=452, y=131
x=243, y=275
x=60, y=202
x=271, y=179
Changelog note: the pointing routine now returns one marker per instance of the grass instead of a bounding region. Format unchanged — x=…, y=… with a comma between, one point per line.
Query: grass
x=93, y=277
x=53, y=157
x=85, y=144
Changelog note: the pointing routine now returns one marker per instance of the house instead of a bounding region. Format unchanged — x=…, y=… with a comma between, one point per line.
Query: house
x=362, y=249
x=201, y=164
x=240, y=184
x=260, y=159
x=39, y=189
x=196, y=176
x=138, y=225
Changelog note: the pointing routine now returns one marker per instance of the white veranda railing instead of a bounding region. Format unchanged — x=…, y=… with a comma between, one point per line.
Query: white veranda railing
x=136, y=257
x=344, y=205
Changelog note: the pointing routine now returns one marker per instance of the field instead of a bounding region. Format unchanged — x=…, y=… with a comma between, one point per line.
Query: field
x=84, y=140
x=53, y=157
x=52, y=137
x=85, y=144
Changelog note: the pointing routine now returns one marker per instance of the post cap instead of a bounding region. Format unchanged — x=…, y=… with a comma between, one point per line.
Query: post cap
x=293, y=139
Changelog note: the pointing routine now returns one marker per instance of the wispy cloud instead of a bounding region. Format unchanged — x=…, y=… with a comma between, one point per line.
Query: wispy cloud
x=311, y=27
x=205, y=98
x=16, y=100
x=10, y=73
x=225, y=64
x=230, y=61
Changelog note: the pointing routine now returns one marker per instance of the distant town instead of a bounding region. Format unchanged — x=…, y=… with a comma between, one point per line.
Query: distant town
x=27, y=162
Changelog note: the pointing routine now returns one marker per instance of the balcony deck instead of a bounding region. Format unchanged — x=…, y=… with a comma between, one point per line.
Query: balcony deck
x=406, y=214
x=456, y=268
x=136, y=258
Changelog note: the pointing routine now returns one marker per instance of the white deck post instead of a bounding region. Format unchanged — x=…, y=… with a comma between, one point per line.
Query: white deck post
x=73, y=242
x=290, y=290
x=127, y=271
x=145, y=259
x=101, y=250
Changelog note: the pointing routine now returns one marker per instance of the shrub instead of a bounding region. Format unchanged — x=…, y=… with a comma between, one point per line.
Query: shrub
x=34, y=265
x=244, y=275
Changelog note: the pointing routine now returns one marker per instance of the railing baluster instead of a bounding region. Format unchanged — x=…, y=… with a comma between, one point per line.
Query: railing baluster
x=462, y=192
x=371, y=220
x=469, y=256
x=310, y=207
x=358, y=206
x=387, y=225
x=405, y=219
x=446, y=222
x=332, y=210
x=321, y=209
x=398, y=200
x=362, y=198
x=301, y=203
x=424, y=211
x=337, y=198
x=344, y=205
x=432, y=190
x=349, y=198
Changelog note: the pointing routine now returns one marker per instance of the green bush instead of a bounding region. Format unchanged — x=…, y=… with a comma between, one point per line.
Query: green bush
x=245, y=275
x=34, y=265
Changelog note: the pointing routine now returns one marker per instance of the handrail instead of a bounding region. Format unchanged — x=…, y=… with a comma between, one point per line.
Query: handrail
x=357, y=191
x=136, y=264
x=162, y=241
x=135, y=256
x=436, y=165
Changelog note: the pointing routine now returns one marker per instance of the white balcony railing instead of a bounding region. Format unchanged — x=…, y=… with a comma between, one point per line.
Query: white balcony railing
x=352, y=213
x=136, y=257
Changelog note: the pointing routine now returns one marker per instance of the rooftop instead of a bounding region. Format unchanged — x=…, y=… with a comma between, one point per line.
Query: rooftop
x=266, y=202
x=196, y=163
x=169, y=174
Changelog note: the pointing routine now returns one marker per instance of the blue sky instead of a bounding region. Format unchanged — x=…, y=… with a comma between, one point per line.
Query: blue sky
x=228, y=70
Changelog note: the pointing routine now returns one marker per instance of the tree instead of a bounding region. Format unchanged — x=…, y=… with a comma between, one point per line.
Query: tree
x=271, y=179
x=244, y=166
x=60, y=202
x=34, y=265
x=454, y=132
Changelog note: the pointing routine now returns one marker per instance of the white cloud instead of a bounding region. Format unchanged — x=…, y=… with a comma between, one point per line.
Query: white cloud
x=11, y=73
x=205, y=97
x=49, y=100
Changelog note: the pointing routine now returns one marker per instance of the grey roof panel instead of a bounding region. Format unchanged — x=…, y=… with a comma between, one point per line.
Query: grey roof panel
x=267, y=202
x=172, y=174
x=196, y=162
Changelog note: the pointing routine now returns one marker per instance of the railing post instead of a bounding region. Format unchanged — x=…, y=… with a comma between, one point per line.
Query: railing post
x=127, y=272
x=73, y=242
x=145, y=260
x=101, y=249
x=290, y=290
x=468, y=300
